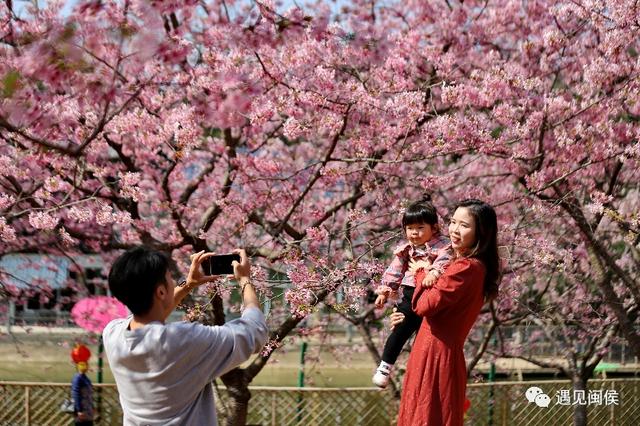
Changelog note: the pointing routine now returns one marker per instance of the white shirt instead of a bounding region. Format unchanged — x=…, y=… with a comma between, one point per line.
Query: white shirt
x=164, y=371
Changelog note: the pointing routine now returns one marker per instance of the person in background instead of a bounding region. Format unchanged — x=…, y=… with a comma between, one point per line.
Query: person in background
x=82, y=389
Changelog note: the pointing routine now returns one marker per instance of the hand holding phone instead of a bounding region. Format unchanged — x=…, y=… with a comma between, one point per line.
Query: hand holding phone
x=220, y=264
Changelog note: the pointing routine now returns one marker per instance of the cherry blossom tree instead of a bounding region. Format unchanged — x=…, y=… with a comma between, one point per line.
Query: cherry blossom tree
x=300, y=133
x=571, y=329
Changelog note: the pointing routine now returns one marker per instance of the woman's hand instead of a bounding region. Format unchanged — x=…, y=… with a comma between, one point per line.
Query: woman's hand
x=396, y=318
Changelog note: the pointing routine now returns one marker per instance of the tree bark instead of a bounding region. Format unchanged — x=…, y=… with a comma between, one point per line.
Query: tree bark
x=580, y=411
x=239, y=395
x=615, y=303
x=237, y=380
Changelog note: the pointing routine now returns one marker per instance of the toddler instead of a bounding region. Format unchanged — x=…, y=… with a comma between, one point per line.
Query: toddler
x=425, y=243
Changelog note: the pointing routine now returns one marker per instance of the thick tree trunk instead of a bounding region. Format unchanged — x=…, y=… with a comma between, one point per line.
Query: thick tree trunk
x=239, y=395
x=237, y=380
x=580, y=411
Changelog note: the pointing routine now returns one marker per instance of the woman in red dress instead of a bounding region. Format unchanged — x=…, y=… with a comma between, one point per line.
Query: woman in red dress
x=433, y=392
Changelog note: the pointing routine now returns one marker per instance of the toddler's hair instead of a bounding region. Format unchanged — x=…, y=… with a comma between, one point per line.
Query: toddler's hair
x=421, y=211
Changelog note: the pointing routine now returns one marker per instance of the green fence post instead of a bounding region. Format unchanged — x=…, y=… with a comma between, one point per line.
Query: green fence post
x=100, y=369
x=303, y=351
x=492, y=378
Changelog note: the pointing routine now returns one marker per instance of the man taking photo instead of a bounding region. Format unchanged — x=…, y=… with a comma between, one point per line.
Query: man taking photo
x=164, y=371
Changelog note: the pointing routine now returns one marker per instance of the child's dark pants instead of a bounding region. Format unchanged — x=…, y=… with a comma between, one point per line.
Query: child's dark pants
x=403, y=331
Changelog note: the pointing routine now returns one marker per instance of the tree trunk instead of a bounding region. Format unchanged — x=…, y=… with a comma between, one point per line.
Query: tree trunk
x=239, y=396
x=237, y=380
x=614, y=302
x=580, y=411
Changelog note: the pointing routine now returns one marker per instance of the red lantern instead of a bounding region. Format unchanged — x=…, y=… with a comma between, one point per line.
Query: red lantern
x=80, y=353
x=467, y=405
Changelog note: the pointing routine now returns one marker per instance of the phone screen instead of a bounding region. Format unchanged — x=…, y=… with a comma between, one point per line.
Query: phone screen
x=220, y=264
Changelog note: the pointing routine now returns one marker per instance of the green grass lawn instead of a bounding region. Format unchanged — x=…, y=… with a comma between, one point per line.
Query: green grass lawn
x=46, y=358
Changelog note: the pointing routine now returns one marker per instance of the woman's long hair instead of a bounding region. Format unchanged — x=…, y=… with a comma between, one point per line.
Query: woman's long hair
x=486, y=246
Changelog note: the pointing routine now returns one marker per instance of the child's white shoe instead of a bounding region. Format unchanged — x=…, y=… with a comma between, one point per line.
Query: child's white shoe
x=382, y=376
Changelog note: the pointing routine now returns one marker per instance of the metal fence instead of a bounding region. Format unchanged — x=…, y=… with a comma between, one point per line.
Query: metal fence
x=32, y=404
x=505, y=403
x=500, y=403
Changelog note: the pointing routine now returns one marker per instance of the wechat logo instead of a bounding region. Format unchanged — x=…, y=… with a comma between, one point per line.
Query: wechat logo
x=536, y=395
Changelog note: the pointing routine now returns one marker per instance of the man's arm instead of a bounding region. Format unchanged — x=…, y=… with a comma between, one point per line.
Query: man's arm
x=245, y=335
x=242, y=273
x=249, y=295
x=194, y=278
x=179, y=293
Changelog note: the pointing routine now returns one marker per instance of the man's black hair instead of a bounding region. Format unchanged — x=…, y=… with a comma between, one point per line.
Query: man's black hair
x=135, y=275
x=419, y=212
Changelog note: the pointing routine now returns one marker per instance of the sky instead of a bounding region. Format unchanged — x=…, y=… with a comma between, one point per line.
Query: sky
x=67, y=10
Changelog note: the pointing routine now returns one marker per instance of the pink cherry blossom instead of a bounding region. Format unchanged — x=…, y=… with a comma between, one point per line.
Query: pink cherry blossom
x=42, y=220
x=7, y=232
x=301, y=133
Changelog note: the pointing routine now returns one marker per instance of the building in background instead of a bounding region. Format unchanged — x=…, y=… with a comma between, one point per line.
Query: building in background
x=42, y=288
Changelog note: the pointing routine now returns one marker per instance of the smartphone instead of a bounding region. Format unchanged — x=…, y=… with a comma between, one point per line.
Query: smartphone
x=220, y=264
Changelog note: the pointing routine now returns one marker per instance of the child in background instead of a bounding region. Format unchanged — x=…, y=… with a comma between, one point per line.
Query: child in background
x=81, y=388
x=425, y=243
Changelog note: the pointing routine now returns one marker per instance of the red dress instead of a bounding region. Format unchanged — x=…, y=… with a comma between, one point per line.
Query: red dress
x=433, y=391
